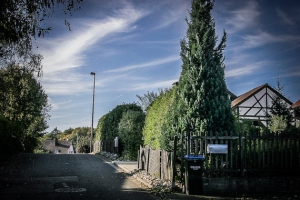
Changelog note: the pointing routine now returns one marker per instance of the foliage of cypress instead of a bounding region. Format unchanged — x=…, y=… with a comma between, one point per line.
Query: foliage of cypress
x=203, y=100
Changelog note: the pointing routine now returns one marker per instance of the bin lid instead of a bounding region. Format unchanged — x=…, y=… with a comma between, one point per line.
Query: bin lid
x=190, y=157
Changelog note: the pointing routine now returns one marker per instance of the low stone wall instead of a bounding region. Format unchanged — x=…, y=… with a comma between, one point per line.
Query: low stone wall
x=240, y=186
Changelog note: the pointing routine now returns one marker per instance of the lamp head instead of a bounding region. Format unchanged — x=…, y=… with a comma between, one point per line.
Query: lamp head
x=93, y=73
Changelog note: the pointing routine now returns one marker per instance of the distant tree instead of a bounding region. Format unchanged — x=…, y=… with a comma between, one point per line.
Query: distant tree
x=99, y=129
x=21, y=21
x=83, y=145
x=23, y=103
x=279, y=106
x=68, y=131
x=278, y=124
x=110, y=126
x=281, y=117
x=146, y=100
x=55, y=131
x=203, y=101
x=130, y=132
x=82, y=135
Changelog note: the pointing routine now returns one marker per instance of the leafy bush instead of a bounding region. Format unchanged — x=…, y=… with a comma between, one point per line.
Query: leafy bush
x=130, y=132
x=110, y=126
x=98, y=132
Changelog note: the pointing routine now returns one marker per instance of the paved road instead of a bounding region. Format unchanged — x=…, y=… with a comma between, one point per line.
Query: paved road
x=49, y=176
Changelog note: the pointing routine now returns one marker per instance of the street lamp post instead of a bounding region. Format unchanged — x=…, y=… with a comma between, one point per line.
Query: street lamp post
x=91, y=140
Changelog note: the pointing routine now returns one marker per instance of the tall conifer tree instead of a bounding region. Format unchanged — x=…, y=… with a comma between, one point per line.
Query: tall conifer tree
x=203, y=98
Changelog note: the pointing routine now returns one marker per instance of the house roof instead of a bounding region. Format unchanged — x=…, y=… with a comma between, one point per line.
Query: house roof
x=242, y=98
x=61, y=145
x=232, y=96
x=296, y=104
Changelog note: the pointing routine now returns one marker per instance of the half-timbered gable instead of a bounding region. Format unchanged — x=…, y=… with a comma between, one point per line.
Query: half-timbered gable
x=256, y=103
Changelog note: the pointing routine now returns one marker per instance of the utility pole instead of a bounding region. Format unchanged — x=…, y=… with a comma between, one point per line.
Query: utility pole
x=77, y=149
x=91, y=139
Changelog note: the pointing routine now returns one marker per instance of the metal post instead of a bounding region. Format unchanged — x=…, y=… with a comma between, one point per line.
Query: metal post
x=77, y=149
x=91, y=140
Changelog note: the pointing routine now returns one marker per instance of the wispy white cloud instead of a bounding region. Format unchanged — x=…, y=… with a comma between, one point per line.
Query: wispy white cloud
x=58, y=116
x=66, y=52
x=285, y=18
x=238, y=68
x=152, y=86
x=84, y=119
x=240, y=71
x=65, y=55
x=117, y=97
x=262, y=38
x=292, y=72
x=172, y=13
x=56, y=106
x=244, y=17
x=147, y=64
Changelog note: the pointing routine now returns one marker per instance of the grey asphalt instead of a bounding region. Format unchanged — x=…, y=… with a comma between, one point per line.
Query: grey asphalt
x=66, y=176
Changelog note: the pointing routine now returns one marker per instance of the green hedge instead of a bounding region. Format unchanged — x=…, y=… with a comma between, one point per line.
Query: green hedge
x=156, y=132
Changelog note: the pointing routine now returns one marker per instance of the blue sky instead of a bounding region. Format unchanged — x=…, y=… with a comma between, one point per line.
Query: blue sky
x=133, y=47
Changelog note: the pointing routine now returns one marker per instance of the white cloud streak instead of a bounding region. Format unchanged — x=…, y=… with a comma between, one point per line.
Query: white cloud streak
x=173, y=14
x=153, y=86
x=285, y=18
x=262, y=38
x=143, y=65
x=64, y=55
x=244, y=18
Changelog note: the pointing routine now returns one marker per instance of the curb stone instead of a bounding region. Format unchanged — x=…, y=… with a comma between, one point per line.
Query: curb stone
x=128, y=172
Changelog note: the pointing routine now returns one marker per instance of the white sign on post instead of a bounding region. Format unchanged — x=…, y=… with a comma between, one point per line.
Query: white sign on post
x=217, y=148
x=116, y=142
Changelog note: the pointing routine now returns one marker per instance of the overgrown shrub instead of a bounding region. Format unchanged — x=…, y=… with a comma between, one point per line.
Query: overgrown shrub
x=130, y=132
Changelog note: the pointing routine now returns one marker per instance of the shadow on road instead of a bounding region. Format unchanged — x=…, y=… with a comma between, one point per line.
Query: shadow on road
x=65, y=176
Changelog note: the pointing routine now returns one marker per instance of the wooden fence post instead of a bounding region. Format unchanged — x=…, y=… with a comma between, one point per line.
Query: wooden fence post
x=160, y=155
x=138, y=160
x=148, y=160
x=174, y=162
x=242, y=154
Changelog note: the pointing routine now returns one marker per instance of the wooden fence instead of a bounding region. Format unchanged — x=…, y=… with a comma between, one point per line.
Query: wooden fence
x=106, y=145
x=271, y=156
x=247, y=156
x=156, y=162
